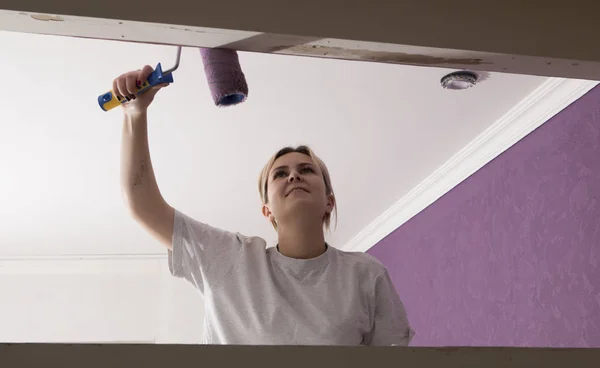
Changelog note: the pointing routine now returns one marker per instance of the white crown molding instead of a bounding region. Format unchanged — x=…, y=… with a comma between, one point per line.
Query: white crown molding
x=84, y=264
x=534, y=110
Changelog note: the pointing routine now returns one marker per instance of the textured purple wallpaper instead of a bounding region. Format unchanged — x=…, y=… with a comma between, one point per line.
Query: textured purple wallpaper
x=510, y=257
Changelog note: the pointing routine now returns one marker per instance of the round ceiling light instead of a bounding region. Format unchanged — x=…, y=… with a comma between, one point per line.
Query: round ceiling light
x=459, y=80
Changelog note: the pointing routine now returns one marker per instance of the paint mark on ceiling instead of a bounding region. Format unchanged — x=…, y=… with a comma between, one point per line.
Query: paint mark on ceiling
x=379, y=56
x=47, y=18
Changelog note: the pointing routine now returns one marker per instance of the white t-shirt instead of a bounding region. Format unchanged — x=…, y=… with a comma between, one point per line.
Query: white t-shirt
x=255, y=295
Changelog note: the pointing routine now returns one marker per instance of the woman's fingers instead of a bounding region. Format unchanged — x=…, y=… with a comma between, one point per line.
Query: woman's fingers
x=126, y=85
x=145, y=73
x=115, y=88
x=122, y=87
x=131, y=84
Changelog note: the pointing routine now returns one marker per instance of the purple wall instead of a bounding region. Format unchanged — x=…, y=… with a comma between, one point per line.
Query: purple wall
x=511, y=256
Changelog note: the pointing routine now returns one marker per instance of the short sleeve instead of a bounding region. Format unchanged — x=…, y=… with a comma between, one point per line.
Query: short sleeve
x=390, y=323
x=201, y=254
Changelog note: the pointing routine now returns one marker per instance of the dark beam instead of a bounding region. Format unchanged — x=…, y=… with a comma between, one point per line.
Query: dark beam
x=161, y=356
x=547, y=38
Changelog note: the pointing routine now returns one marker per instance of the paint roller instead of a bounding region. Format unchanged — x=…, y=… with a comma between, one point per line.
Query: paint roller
x=223, y=72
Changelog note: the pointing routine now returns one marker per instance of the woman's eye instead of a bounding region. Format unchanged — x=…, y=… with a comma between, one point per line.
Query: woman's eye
x=307, y=170
x=278, y=174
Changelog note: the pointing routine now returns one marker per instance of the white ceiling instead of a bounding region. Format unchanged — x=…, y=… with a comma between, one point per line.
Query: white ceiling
x=380, y=128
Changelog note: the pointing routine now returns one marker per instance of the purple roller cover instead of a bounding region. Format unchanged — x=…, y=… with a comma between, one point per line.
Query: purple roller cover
x=225, y=78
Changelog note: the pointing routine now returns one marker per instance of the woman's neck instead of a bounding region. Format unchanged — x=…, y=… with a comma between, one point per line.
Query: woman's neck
x=302, y=241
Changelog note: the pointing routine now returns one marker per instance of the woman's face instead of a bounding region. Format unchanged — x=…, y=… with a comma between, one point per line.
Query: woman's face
x=296, y=189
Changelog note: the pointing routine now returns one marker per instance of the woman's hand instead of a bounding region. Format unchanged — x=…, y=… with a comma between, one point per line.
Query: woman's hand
x=126, y=86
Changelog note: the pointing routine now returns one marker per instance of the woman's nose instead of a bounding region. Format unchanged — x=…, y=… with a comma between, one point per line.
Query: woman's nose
x=295, y=176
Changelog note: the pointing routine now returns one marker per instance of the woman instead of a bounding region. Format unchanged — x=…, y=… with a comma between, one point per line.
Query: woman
x=301, y=292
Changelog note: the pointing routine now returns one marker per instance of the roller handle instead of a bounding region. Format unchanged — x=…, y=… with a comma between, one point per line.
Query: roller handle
x=109, y=101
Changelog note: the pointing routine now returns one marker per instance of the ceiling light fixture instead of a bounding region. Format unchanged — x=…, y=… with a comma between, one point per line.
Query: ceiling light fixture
x=459, y=80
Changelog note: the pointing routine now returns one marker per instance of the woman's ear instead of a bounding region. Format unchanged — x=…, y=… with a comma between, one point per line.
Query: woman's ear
x=269, y=215
x=330, y=203
x=267, y=212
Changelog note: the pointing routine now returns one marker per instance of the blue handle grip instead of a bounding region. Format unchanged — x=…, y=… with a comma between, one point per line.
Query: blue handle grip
x=108, y=100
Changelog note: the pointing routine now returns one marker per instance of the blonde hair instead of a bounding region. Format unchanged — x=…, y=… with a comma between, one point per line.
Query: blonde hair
x=264, y=179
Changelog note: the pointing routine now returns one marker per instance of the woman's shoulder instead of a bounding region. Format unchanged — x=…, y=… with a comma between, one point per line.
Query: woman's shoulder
x=361, y=260
x=205, y=234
